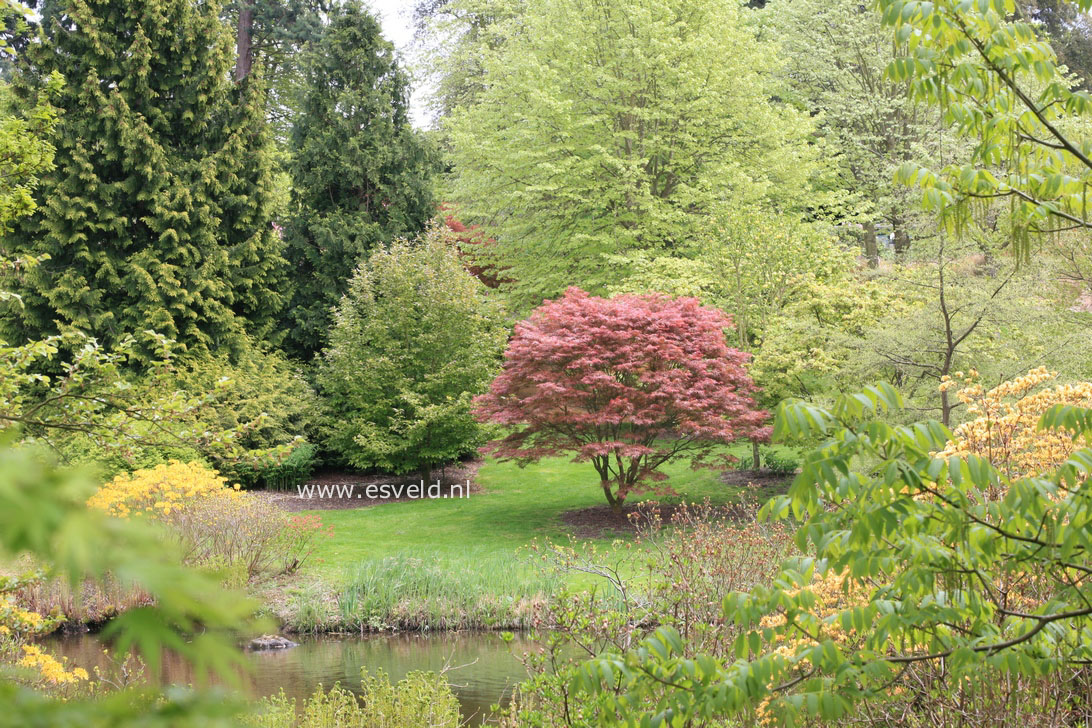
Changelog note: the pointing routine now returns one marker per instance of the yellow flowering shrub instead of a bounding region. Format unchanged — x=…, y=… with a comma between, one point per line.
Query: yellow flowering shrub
x=53, y=676
x=217, y=526
x=17, y=627
x=18, y=622
x=161, y=490
x=831, y=593
x=1004, y=428
x=49, y=667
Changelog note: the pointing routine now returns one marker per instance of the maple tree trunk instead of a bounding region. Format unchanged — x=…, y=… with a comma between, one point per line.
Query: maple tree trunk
x=244, y=50
x=615, y=502
x=756, y=458
x=426, y=474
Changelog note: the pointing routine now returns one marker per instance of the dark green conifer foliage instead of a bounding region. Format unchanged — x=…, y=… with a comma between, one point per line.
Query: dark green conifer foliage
x=360, y=173
x=158, y=214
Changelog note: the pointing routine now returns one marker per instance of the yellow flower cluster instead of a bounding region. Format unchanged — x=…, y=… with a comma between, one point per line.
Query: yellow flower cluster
x=14, y=620
x=831, y=596
x=1005, y=425
x=833, y=592
x=159, y=491
x=49, y=667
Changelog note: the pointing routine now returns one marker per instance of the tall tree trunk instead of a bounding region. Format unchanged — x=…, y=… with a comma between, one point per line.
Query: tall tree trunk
x=756, y=457
x=244, y=49
x=871, y=245
x=901, y=240
x=426, y=474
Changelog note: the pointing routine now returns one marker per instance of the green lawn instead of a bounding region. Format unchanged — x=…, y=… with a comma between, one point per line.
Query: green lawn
x=515, y=507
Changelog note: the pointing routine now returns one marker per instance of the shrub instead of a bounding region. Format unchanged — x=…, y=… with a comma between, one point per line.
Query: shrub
x=181, y=407
x=931, y=583
x=627, y=383
x=281, y=474
x=676, y=572
x=259, y=392
x=18, y=624
x=243, y=531
x=414, y=339
x=218, y=527
x=419, y=700
x=159, y=490
x=780, y=462
x=776, y=460
x=37, y=667
x=1004, y=427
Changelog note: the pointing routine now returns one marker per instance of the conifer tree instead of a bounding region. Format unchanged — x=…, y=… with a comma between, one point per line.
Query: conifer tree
x=360, y=172
x=158, y=213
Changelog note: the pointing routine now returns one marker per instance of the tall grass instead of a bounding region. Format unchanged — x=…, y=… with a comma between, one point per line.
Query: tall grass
x=473, y=590
x=420, y=700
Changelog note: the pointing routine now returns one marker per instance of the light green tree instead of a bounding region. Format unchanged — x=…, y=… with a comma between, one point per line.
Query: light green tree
x=949, y=307
x=606, y=128
x=451, y=38
x=746, y=261
x=836, y=53
x=414, y=340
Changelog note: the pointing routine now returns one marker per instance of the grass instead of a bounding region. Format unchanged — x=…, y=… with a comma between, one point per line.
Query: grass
x=405, y=591
x=517, y=505
x=455, y=563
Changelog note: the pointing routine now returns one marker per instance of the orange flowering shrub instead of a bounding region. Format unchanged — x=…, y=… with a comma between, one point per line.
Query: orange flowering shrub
x=1005, y=425
x=831, y=594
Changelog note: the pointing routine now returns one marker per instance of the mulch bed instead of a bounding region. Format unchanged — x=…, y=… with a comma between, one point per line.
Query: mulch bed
x=290, y=500
x=604, y=522
x=762, y=479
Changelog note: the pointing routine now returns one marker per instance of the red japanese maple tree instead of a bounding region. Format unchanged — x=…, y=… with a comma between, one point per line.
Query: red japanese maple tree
x=627, y=383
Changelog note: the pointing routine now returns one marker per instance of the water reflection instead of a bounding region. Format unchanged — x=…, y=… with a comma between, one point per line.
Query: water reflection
x=485, y=667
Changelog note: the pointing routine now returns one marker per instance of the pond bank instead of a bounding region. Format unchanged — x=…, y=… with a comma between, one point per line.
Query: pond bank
x=481, y=667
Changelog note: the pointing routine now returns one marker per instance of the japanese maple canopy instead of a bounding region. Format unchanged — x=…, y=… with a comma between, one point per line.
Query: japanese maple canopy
x=616, y=375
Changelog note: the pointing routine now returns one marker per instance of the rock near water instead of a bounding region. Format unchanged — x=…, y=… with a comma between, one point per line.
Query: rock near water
x=271, y=642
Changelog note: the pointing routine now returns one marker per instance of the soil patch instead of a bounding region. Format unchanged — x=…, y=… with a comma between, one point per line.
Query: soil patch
x=761, y=484
x=603, y=521
x=330, y=490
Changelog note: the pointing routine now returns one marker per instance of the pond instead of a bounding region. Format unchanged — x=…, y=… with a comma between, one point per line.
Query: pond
x=485, y=667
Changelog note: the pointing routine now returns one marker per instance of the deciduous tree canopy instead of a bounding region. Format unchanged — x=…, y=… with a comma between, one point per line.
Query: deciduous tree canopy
x=606, y=127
